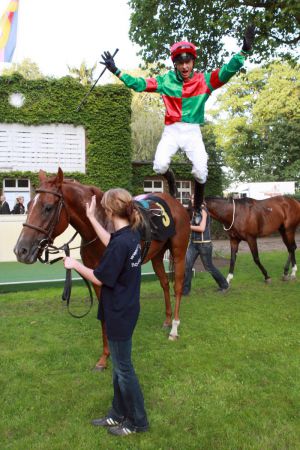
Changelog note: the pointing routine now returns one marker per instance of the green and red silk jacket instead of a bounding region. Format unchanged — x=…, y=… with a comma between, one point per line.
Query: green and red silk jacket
x=185, y=102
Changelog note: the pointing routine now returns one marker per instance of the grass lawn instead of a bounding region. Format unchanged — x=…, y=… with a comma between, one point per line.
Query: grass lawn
x=230, y=382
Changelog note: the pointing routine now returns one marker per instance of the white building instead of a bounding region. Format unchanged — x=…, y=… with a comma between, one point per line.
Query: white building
x=263, y=190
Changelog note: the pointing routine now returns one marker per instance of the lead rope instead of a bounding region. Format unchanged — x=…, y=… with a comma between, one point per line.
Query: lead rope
x=66, y=295
x=233, y=217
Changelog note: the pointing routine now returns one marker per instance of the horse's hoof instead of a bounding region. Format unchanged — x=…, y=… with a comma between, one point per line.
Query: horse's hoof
x=99, y=368
x=268, y=280
x=285, y=278
x=293, y=277
x=173, y=337
x=167, y=325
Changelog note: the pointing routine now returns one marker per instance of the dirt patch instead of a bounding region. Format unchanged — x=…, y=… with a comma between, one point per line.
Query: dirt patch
x=221, y=249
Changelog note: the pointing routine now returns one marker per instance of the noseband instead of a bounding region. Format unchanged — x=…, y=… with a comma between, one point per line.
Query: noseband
x=53, y=222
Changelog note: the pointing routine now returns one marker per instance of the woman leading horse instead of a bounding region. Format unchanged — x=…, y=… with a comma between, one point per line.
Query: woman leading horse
x=59, y=202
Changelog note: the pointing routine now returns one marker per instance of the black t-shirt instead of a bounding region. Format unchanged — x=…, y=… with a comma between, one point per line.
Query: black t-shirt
x=120, y=272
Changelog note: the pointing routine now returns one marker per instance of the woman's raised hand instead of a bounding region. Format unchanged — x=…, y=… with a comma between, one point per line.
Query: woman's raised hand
x=91, y=208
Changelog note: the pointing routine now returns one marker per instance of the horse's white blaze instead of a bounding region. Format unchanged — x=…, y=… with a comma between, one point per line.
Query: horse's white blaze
x=34, y=203
x=229, y=277
x=174, y=330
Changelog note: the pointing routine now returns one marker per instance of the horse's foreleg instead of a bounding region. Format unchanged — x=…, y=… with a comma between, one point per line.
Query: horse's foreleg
x=285, y=276
x=102, y=363
x=234, y=246
x=254, y=250
x=159, y=269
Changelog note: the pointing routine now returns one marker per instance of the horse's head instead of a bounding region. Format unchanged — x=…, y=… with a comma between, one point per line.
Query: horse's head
x=47, y=218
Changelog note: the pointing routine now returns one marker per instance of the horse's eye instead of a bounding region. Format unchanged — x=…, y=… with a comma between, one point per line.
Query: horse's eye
x=48, y=208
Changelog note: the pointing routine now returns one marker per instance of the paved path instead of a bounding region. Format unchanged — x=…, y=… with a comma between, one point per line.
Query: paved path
x=221, y=249
x=264, y=244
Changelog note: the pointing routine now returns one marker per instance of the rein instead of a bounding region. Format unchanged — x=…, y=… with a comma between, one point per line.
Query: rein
x=233, y=217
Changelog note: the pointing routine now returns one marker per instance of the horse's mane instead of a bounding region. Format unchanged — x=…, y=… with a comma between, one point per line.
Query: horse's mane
x=244, y=200
x=93, y=189
x=241, y=201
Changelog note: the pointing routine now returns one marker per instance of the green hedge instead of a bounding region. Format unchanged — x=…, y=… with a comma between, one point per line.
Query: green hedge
x=106, y=117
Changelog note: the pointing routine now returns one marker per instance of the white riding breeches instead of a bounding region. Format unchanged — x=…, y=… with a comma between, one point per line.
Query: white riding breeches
x=188, y=137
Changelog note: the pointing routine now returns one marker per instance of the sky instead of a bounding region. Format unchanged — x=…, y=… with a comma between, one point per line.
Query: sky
x=58, y=33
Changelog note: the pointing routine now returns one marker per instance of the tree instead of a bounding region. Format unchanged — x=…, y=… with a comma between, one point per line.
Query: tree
x=83, y=74
x=156, y=24
x=260, y=129
x=146, y=124
x=27, y=68
x=147, y=121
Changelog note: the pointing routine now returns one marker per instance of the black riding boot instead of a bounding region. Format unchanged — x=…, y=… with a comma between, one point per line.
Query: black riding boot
x=198, y=195
x=198, y=200
x=170, y=177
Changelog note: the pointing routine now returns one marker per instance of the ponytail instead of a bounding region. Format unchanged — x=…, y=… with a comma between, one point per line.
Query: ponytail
x=120, y=203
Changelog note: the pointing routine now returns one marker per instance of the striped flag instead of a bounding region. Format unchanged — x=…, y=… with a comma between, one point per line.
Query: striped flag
x=8, y=31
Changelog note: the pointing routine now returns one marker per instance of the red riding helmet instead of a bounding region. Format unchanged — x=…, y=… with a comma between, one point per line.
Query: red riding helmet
x=183, y=49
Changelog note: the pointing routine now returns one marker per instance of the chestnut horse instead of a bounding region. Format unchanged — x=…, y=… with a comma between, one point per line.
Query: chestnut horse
x=247, y=219
x=60, y=202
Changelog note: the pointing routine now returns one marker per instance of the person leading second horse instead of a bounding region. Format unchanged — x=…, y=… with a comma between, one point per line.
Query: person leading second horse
x=184, y=92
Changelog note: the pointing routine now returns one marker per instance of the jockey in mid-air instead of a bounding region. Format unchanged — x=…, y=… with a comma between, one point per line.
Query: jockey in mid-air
x=184, y=92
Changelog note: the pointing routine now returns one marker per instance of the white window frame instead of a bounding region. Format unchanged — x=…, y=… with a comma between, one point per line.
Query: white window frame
x=11, y=193
x=184, y=190
x=154, y=188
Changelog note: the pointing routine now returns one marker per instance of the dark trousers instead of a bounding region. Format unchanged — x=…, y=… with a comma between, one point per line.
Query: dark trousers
x=128, y=400
x=205, y=253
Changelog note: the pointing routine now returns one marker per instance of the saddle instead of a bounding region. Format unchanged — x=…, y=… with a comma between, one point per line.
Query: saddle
x=158, y=223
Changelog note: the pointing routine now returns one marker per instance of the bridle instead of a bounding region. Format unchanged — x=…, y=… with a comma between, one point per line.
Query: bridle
x=47, y=246
x=45, y=243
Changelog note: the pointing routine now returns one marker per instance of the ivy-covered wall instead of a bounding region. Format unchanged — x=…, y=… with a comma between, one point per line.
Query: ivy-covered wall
x=182, y=171
x=106, y=117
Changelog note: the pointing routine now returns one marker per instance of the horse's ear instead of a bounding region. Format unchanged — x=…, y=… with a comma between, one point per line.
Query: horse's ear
x=60, y=176
x=42, y=175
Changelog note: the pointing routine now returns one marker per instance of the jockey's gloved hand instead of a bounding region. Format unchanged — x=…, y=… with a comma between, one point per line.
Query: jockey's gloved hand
x=109, y=63
x=248, y=38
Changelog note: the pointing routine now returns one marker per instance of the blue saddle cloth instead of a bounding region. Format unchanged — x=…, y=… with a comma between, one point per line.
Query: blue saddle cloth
x=157, y=212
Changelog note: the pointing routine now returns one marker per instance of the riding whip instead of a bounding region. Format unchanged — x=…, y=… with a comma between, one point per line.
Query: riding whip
x=88, y=93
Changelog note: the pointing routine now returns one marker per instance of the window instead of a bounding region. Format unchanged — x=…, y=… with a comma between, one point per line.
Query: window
x=153, y=186
x=184, y=189
x=13, y=188
x=44, y=147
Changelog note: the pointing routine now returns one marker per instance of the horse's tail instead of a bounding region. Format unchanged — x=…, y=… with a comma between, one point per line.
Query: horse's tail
x=171, y=268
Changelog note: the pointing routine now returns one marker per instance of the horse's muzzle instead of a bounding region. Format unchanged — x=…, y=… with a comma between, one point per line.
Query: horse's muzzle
x=25, y=253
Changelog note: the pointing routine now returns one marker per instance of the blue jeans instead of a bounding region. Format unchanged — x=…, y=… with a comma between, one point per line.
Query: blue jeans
x=205, y=253
x=128, y=400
